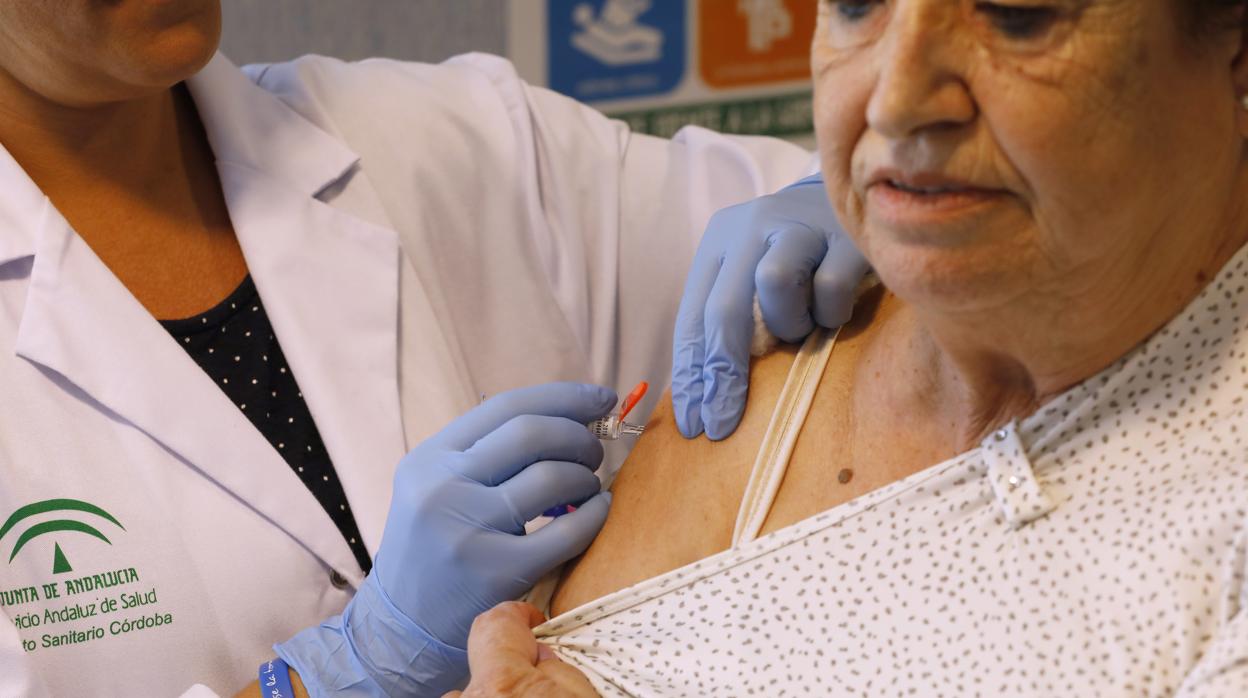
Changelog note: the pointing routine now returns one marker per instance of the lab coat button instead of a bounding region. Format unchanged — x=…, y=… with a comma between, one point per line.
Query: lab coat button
x=336, y=579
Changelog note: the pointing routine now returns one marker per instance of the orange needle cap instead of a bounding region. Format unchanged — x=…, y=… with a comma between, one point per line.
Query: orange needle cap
x=633, y=398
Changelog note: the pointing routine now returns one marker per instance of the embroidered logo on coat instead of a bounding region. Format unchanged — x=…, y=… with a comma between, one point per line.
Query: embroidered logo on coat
x=60, y=564
x=66, y=611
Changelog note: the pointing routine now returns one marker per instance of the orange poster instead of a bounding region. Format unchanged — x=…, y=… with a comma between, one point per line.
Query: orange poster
x=753, y=42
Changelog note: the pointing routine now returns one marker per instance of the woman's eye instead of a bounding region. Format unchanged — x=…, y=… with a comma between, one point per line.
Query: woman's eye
x=854, y=10
x=1019, y=22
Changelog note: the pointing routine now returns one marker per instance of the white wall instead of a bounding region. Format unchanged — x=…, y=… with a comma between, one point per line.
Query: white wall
x=423, y=30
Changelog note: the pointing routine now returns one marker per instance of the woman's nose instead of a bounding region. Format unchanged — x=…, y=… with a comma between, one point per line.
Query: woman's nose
x=920, y=83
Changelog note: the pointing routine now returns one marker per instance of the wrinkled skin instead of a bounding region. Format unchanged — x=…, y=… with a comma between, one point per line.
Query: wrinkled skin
x=1088, y=120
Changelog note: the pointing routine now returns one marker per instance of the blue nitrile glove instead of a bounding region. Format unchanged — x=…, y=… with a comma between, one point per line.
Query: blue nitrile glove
x=775, y=244
x=454, y=543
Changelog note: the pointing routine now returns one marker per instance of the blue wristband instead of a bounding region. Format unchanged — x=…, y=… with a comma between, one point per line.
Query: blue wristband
x=275, y=679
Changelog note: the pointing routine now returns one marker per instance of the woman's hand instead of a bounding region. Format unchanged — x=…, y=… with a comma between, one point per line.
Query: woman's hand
x=507, y=661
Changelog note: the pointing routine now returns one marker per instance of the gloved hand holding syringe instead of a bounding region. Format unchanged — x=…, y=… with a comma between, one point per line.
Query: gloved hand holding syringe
x=610, y=428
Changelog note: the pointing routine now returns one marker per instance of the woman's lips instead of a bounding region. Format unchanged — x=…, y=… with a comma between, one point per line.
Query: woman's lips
x=931, y=203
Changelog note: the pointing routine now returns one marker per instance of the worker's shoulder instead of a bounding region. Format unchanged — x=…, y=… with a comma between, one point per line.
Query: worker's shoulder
x=329, y=90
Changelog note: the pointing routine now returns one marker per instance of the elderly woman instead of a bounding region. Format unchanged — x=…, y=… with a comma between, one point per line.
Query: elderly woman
x=1023, y=469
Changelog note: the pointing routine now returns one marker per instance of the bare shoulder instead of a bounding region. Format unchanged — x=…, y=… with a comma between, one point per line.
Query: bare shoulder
x=675, y=500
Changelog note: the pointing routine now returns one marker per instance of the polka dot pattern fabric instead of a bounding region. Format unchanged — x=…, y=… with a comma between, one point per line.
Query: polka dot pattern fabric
x=235, y=345
x=1097, y=548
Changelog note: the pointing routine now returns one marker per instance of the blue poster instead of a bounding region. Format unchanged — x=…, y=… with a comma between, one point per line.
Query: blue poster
x=609, y=49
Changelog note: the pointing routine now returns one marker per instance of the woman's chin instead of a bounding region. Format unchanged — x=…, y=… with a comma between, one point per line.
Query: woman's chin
x=953, y=278
x=152, y=46
x=175, y=55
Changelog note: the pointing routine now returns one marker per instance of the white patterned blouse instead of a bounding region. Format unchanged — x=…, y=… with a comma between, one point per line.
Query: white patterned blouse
x=1096, y=548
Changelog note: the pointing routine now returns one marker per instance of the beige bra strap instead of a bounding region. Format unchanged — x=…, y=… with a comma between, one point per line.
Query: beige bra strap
x=786, y=424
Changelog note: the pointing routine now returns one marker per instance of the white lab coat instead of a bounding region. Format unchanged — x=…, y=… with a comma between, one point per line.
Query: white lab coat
x=420, y=235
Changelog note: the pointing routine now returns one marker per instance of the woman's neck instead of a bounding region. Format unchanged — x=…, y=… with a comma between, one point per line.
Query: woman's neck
x=126, y=145
x=970, y=372
x=137, y=181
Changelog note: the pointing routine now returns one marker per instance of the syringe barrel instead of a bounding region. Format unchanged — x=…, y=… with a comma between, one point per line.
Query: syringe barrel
x=610, y=428
x=607, y=428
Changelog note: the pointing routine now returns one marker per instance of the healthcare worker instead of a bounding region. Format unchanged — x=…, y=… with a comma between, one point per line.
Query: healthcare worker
x=232, y=300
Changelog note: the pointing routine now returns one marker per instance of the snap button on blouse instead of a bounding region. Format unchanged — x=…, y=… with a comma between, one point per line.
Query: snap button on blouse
x=337, y=580
x=1020, y=495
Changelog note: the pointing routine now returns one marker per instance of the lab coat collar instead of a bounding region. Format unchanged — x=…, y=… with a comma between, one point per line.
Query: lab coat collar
x=330, y=284
x=329, y=280
x=276, y=139
x=23, y=207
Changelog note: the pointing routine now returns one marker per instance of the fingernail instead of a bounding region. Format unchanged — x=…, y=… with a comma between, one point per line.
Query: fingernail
x=544, y=653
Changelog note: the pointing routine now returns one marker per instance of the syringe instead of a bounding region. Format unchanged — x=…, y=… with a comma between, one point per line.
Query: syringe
x=610, y=428
x=613, y=426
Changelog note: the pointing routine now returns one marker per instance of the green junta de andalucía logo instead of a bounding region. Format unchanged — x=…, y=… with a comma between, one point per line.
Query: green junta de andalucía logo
x=60, y=565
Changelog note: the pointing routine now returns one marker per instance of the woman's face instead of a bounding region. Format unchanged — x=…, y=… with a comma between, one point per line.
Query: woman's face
x=978, y=151
x=87, y=52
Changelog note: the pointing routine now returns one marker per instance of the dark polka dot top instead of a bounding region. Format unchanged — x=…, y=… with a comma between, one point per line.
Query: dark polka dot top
x=1096, y=548
x=235, y=345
